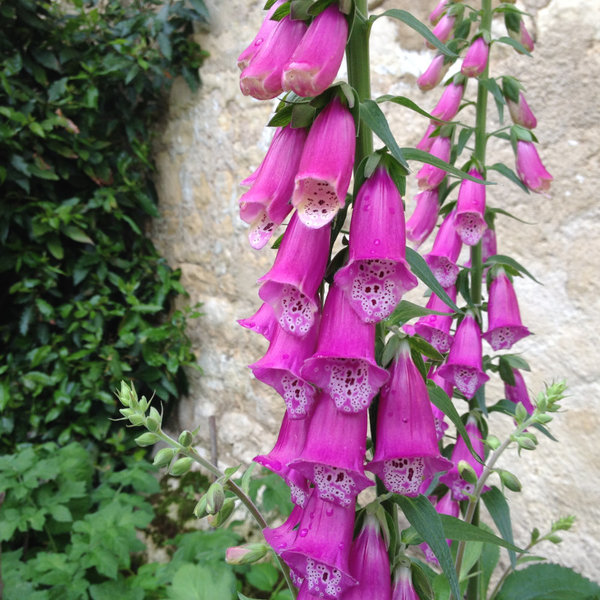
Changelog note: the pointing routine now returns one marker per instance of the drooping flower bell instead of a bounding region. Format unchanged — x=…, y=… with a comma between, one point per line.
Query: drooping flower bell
x=261, y=79
x=438, y=11
x=369, y=564
x=427, y=140
x=436, y=328
x=267, y=203
x=518, y=392
x=459, y=488
x=422, y=222
x=326, y=166
x=439, y=417
x=470, y=210
x=517, y=31
x=444, y=253
x=291, y=285
x=443, y=29
x=317, y=59
x=282, y=537
x=504, y=319
x=280, y=368
x=263, y=321
x=463, y=366
x=321, y=548
x=449, y=102
x=267, y=27
x=530, y=169
x=377, y=274
x=433, y=74
x=430, y=176
x=520, y=112
x=334, y=452
x=344, y=363
x=444, y=506
x=403, y=586
x=476, y=58
x=406, y=454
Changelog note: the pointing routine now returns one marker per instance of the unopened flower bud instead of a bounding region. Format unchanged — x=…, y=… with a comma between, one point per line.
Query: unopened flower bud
x=125, y=394
x=185, y=438
x=200, y=508
x=520, y=412
x=144, y=404
x=467, y=472
x=221, y=517
x=127, y=412
x=245, y=555
x=525, y=443
x=510, y=480
x=543, y=419
x=146, y=439
x=181, y=466
x=555, y=539
x=215, y=498
x=137, y=419
x=164, y=457
x=493, y=442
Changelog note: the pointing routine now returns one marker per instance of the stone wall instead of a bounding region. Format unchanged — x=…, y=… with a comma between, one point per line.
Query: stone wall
x=212, y=140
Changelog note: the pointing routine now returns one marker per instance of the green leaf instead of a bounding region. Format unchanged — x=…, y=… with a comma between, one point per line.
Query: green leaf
x=202, y=582
x=548, y=582
x=200, y=8
x=421, y=269
x=424, y=348
x=405, y=311
x=425, y=157
x=61, y=513
x=77, y=234
x=456, y=529
x=263, y=576
x=374, y=118
x=516, y=45
x=423, y=517
x=500, y=259
x=497, y=506
x=509, y=174
x=404, y=101
x=419, y=27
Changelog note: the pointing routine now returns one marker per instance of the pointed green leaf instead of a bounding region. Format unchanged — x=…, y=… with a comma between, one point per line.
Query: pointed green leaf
x=499, y=510
x=516, y=45
x=405, y=311
x=77, y=234
x=500, y=259
x=425, y=157
x=422, y=347
x=509, y=174
x=455, y=529
x=404, y=101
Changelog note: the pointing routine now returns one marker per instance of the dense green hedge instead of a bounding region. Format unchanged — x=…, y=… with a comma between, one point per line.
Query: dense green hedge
x=85, y=299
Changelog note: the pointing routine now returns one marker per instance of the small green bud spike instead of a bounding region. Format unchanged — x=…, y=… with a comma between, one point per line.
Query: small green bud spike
x=221, y=517
x=525, y=443
x=215, y=497
x=146, y=439
x=200, y=508
x=467, y=472
x=555, y=539
x=564, y=523
x=186, y=438
x=520, y=413
x=152, y=424
x=181, y=466
x=144, y=404
x=493, y=442
x=136, y=419
x=164, y=457
x=510, y=480
x=125, y=394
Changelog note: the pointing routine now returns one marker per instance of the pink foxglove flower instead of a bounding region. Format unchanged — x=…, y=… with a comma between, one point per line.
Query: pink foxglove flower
x=422, y=222
x=377, y=274
x=530, y=169
x=369, y=564
x=476, y=58
x=438, y=415
x=263, y=321
x=443, y=29
x=321, y=548
x=267, y=203
x=438, y=11
x=436, y=328
x=430, y=176
x=463, y=366
x=291, y=285
x=317, y=59
x=426, y=141
x=470, y=209
x=334, y=453
x=433, y=74
x=344, y=363
x=403, y=586
x=261, y=79
x=518, y=392
x=406, y=450
x=505, y=327
x=266, y=29
x=444, y=254
x=444, y=506
x=326, y=166
x=520, y=112
x=282, y=537
x=449, y=102
x=459, y=488
x=519, y=33
x=280, y=368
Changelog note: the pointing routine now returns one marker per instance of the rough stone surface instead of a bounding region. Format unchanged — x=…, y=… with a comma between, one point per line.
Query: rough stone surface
x=212, y=140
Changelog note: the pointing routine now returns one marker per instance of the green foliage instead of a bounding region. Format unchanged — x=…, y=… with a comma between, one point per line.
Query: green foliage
x=85, y=298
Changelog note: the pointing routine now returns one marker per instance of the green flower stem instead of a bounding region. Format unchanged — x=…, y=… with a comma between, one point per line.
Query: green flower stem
x=246, y=501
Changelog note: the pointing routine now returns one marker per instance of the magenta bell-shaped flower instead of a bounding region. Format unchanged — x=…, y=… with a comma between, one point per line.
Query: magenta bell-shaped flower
x=436, y=328
x=406, y=450
x=470, y=209
x=449, y=102
x=317, y=59
x=459, y=488
x=430, y=176
x=291, y=285
x=438, y=11
x=282, y=537
x=444, y=253
x=334, y=453
x=344, y=363
x=463, y=366
x=427, y=140
x=505, y=327
x=326, y=166
x=263, y=321
x=280, y=368
x=321, y=548
x=443, y=29
x=522, y=36
x=444, y=506
x=261, y=79
x=403, y=586
x=518, y=392
x=433, y=74
x=520, y=112
x=266, y=29
x=267, y=203
x=369, y=564
x=439, y=418
x=530, y=169
x=476, y=58
x=377, y=274
x=422, y=222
